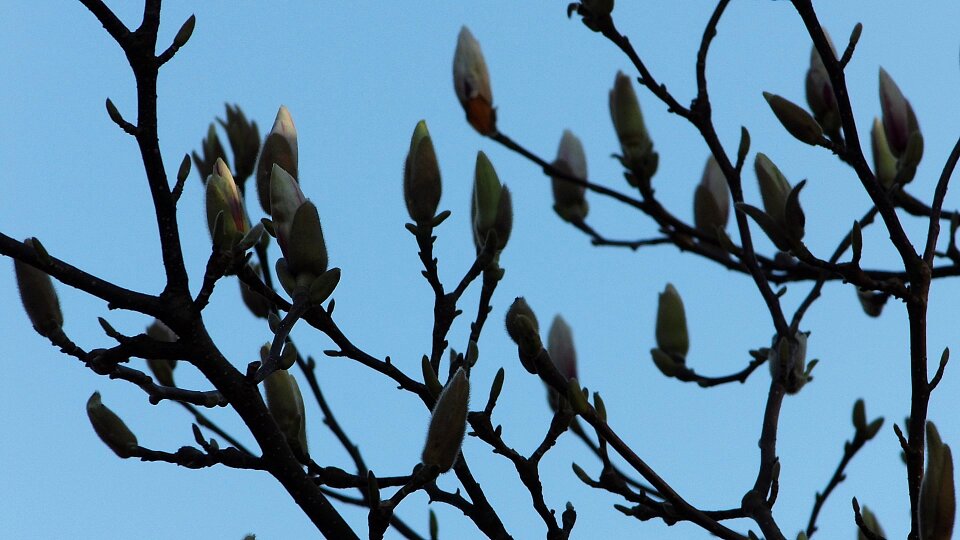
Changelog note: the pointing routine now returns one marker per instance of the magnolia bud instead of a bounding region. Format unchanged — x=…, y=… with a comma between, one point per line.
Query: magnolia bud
x=448, y=423
x=524, y=330
x=244, y=137
x=797, y=121
x=212, y=151
x=280, y=149
x=668, y=364
x=421, y=176
x=110, y=428
x=223, y=198
x=306, y=251
x=39, y=298
x=774, y=188
x=568, y=198
x=561, y=349
x=871, y=522
x=711, y=200
x=285, y=199
x=820, y=95
x=899, y=121
x=471, y=81
x=492, y=208
x=884, y=162
x=671, y=331
x=635, y=143
x=938, y=505
x=788, y=359
x=161, y=368
x=286, y=405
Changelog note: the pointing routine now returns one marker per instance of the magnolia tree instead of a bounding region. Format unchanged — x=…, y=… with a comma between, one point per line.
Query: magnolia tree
x=275, y=249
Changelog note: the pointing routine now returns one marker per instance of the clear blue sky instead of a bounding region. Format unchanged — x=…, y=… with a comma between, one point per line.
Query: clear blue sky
x=357, y=77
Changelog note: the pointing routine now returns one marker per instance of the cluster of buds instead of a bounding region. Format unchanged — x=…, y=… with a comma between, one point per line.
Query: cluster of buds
x=39, y=298
x=226, y=214
x=635, y=143
x=562, y=353
x=471, y=81
x=211, y=150
x=901, y=143
x=568, y=198
x=448, y=424
x=788, y=361
x=244, y=137
x=820, y=96
x=711, y=200
x=280, y=149
x=110, y=428
x=938, y=503
x=524, y=330
x=421, y=177
x=286, y=406
x=673, y=342
x=162, y=368
x=492, y=209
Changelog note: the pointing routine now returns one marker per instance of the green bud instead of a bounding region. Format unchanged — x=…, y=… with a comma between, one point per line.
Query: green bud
x=448, y=424
x=938, y=503
x=212, y=151
x=430, y=377
x=306, y=252
x=110, y=428
x=797, y=121
x=524, y=330
x=322, y=287
x=244, y=137
x=39, y=298
x=820, y=95
x=224, y=197
x=899, y=121
x=635, y=142
x=668, y=364
x=711, y=200
x=162, y=368
x=279, y=149
x=671, y=332
x=568, y=198
x=871, y=522
x=492, y=208
x=884, y=162
x=285, y=199
x=421, y=176
x=471, y=81
x=774, y=188
x=286, y=405
x=787, y=360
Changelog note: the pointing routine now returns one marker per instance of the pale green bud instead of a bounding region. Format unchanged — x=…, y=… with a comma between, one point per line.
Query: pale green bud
x=568, y=198
x=39, y=298
x=162, y=369
x=797, y=121
x=110, y=428
x=448, y=424
x=899, y=121
x=884, y=162
x=711, y=200
x=279, y=149
x=524, y=330
x=774, y=188
x=938, y=505
x=671, y=331
x=421, y=176
x=286, y=405
x=224, y=198
x=635, y=142
x=285, y=199
x=471, y=81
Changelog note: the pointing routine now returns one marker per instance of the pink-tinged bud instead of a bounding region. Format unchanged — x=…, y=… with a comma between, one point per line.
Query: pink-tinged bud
x=568, y=198
x=223, y=198
x=635, y=142
x=899, y=121
x=561, y=349
x=711, y=200
x=820, y=96
x=286, y=406
x=471, y=81
x=285, y=199
x=448, y=424
x=161, y=368
x=280, y=149
x=671, y=330
x=421, y=177
x=938, y=503
x=110, y=428
x=39, y=298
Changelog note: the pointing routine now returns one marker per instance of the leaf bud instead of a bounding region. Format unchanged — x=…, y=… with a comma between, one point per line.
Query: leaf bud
x=711, y=200
x=162, y=368
x=471, y=81
x=280, y=149
x=787, y=359
x=286, y=405
x=568, y=198
x=448, y=423
x=899, y=121
x=795, y=120
x=635, y=142
x=671, y=330
x=224, y=198
x=38, y=296
x=421, y=176
x=110, y=428
x=524, y=330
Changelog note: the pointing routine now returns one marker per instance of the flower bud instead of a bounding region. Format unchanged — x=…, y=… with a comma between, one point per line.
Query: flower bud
x=212, y=151
x=820, y=95
x=871, y=522
x=448, y=423
x=899, y=121
x=568, y=198
x=39, y=298
x=421, y=176
x=524, y=330
x=162, y=368
x=223, y=198
x=711, y=200
x=774, y=188
x=286, y=405
x=492, y=208
x=285, y=199
x=306, y=251
x=797, y=121
x=279, y=148
x=561, y=349
x=788, y=361
x=884, y=162
x=244, y=137
x=938, y=505
x=471, y=81
x=110, y=428
x=671, y=331
x=635, y=143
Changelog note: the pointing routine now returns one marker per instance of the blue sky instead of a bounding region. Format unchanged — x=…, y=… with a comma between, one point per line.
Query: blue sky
x=356, y=78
